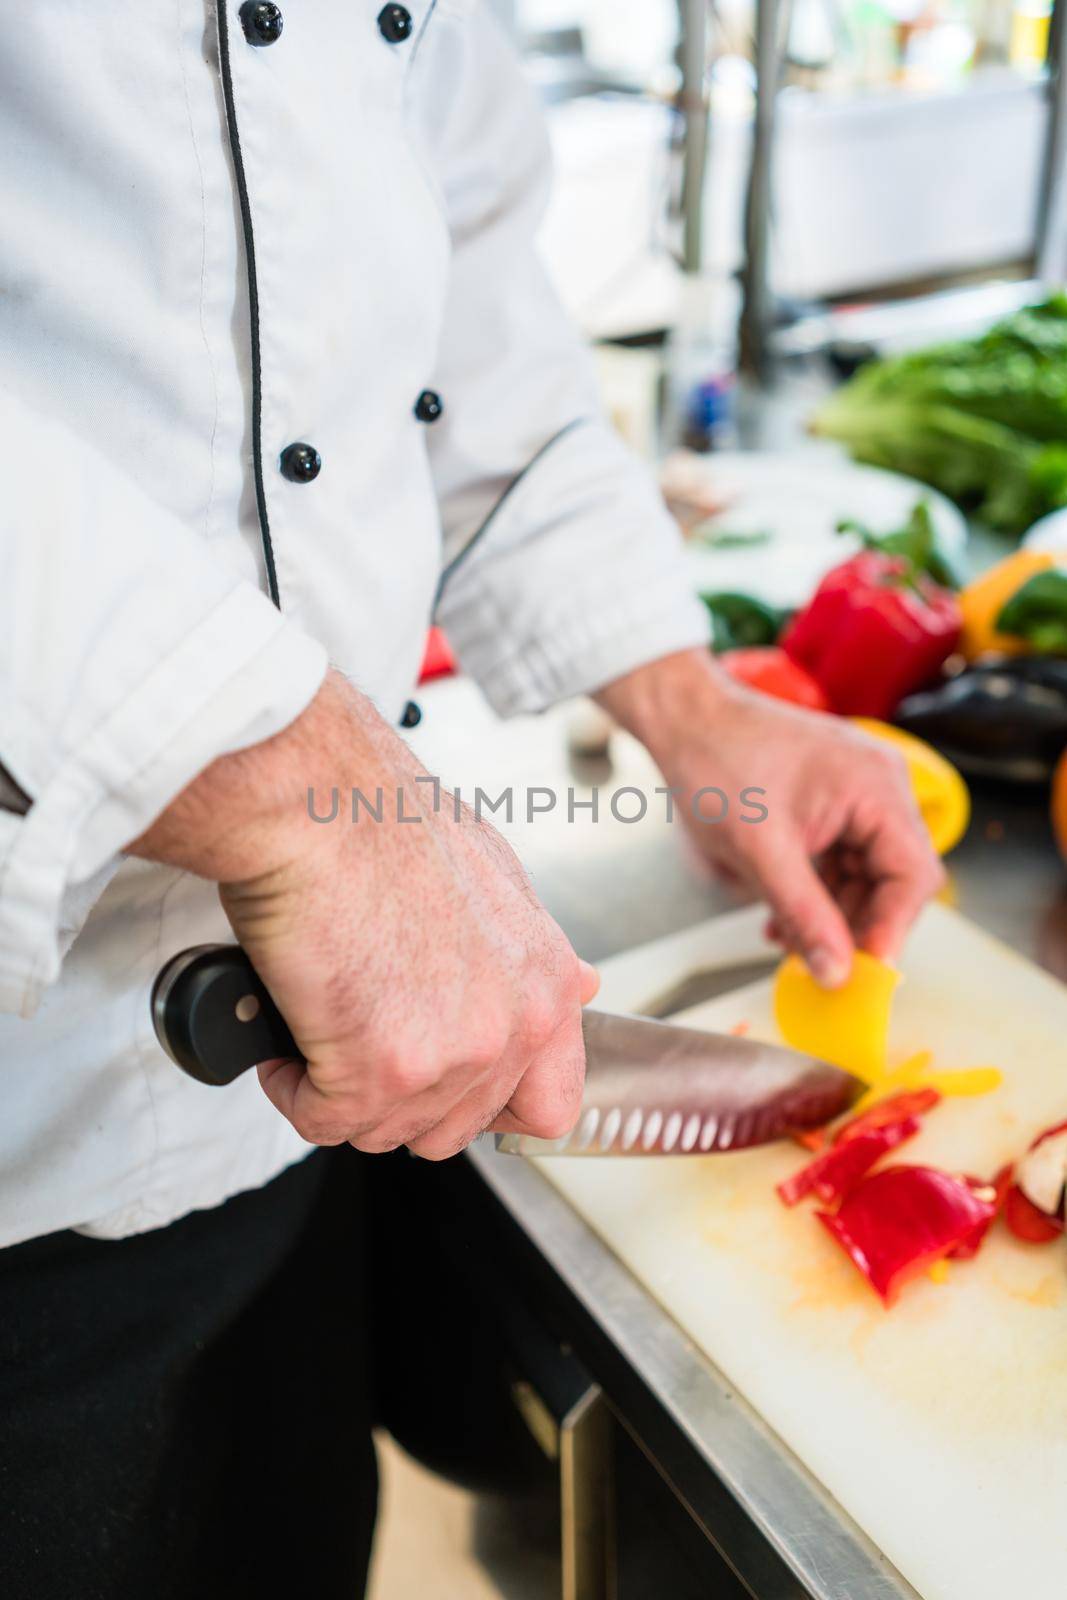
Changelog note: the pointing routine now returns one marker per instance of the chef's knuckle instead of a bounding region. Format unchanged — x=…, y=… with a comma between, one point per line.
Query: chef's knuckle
x=321, y=1127
x=541, y=1014
x=554, y=1120
x=374, y=1142
x=439, y=1147
x=406, y=1070
x=489, y=1043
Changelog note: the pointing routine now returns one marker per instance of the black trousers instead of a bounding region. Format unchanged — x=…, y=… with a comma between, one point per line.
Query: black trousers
x=187, y=1413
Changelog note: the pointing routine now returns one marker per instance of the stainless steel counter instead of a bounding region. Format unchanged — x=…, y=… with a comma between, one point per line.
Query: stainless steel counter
x=611, y=886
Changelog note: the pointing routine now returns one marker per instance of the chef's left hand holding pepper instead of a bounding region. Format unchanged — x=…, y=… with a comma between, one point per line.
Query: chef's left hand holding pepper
x=841, y=857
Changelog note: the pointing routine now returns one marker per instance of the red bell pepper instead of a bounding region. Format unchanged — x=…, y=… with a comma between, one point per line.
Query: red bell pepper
x=875, y=629
x=768, y=669
x=837, y=1170
x=896, y=1223
x=438, y=660
x=884, y=1113
x=997, y=1192
x=1042, y=1172
x=1026, y=1221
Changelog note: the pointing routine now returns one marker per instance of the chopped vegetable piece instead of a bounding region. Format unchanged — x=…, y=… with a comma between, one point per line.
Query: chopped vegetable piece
x=770, y=670
x=940, y=793
x=873, y=631
x=1042, y=1172
x=884, y=1113
x=837, y=1170
x=939, y=1271
x=740, y=1029
x=965, y=1080
x=996, y=1193
x=911, y=1074
x=847, y=1026
x=895, y=1223
x=916, y=1073
x=811, y=1138
x=1026, y=1221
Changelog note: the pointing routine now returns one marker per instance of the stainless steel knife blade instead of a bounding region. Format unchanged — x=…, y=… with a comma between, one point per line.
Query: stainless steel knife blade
x=653, y=1088
x=708, y=983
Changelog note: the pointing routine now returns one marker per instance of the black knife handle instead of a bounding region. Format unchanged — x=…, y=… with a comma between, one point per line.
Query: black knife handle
x=213, y=1015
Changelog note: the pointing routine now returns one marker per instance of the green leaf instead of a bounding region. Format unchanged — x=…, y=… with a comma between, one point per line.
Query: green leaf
x=983, y=419
x=916, y=541
x=740, y=620
x=1038, y=613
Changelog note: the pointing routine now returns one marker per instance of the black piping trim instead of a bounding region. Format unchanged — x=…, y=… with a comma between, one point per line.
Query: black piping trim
x=431, y=8
x=480, y=532
x=13, y=796
x=253, y=300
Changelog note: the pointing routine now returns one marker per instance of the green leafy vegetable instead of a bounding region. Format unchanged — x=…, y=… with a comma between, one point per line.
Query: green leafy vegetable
x=739, y=620
x=1038, y=613
x=984, y=420
x=729, y=538
x=917, y=541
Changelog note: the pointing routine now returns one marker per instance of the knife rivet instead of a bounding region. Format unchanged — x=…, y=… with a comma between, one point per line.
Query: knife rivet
x=247, y=1008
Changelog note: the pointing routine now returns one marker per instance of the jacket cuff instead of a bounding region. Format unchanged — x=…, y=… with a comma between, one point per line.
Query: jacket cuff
x=577, y=577
x=240, y=675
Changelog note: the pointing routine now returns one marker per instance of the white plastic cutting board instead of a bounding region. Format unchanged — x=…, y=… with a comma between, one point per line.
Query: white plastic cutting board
x=941, y=1425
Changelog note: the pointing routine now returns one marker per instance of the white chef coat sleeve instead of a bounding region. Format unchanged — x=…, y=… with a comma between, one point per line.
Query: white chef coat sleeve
x=129, y=660
x=562, y=567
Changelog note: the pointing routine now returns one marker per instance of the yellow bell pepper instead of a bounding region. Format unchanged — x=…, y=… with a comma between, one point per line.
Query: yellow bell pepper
x=982, y=601
x=940, y=792
x=847, y=1026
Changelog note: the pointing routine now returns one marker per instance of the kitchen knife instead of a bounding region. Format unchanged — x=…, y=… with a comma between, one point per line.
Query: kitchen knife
x=651, y=1088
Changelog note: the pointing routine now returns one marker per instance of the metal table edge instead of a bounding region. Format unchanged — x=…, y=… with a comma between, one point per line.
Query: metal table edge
x=816, y=1540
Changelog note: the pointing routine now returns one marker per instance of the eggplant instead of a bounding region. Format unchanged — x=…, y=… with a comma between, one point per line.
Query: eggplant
x=1005, y=718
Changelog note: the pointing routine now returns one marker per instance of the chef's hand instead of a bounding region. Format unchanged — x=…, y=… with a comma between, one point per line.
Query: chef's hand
x=842, y=856
x=430, y=992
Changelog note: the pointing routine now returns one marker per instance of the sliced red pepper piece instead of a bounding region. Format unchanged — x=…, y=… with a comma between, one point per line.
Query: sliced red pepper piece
x=837, y=1170
x=894, y=1223
x=894, y=1108
x=1042, y=1172
x=811, y=1138
x=1026, y=1221
x=997, y=1192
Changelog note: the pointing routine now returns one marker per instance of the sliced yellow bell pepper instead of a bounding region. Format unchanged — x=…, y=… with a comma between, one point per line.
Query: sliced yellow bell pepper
x=848, y=1026
x=918, y=1073
x=940, y=792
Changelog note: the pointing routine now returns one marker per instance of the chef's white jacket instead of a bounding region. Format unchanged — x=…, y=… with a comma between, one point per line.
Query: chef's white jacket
x=215, y=244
